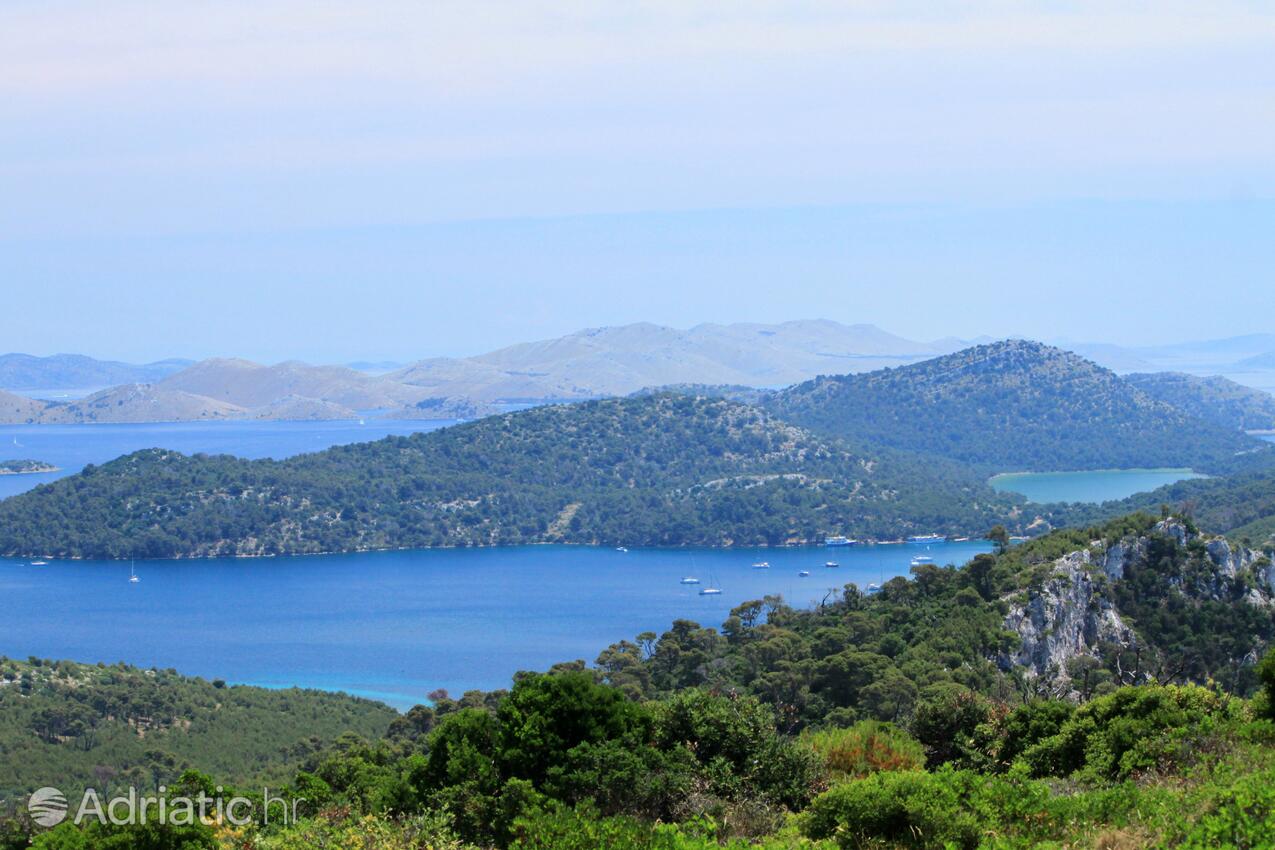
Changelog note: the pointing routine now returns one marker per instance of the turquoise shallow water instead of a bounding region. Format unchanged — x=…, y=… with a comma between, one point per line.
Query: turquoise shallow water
x=1089, y=486
x=396, y=625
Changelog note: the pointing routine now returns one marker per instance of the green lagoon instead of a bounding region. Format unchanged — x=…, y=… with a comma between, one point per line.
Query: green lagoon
x=1098, y=485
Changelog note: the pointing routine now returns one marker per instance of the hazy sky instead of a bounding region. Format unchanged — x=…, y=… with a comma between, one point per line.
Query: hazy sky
x=377, y=179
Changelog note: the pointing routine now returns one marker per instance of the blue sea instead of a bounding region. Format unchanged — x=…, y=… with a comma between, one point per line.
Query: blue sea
x=394, y=626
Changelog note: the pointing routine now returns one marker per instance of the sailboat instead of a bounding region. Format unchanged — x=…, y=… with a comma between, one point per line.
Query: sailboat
x=712, y=589
x=132, y=573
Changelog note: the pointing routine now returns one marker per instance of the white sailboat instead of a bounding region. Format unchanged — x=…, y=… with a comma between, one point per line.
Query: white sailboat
x=712, y=589
x=132, y=573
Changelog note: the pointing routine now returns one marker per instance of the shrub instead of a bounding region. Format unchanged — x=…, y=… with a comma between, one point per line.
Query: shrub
x=1132, y=730
x=867, y=747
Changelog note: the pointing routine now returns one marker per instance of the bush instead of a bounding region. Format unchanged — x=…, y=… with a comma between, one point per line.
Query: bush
x=869, y=746
x=907, y=808
x=1134, y=730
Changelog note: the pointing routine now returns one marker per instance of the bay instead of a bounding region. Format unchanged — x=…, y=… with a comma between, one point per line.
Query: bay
x=1100, y=485
x=396, y=625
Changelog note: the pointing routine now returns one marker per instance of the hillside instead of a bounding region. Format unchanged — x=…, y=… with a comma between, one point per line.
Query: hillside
x=620, y=360
x=1259, y=361
x=1012, y=405
x=83, y=725
x=657, y=470
x=253, y=385
x=1214, y=399
x=75, y=371
x=18, y=410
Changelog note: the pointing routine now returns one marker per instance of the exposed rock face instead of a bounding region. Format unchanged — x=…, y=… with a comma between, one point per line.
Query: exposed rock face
x=1069, y=616
x=1073, y=614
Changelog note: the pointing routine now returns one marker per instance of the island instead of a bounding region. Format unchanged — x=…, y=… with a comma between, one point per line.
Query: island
x=25, y=467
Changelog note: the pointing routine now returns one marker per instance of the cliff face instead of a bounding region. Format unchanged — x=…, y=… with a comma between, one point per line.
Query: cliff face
x=1075, y=612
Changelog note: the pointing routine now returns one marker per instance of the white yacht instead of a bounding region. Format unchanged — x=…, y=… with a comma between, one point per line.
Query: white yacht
x=689, y=580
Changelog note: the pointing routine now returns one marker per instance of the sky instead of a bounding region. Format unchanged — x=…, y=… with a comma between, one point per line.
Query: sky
x=394, y=180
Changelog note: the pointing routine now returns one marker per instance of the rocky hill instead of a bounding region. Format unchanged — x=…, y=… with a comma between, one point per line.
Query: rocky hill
x=18, y=410
x=252, y=385
x=620, y=360
x=1149, y=601
x=75, y=371
x=658, y=470
x=1214, y=399
x=1013, y=405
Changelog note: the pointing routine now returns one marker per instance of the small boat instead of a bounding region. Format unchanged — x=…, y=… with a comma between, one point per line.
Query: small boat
x=689, y=580
x=960, y=540
x=804, y=574
x=710, y=591
x=922, y=559
x=132, y=574
x=926, y=538
x=832, y=565
x=621, y=549
x=761, y=565
x=839, y=541
x=39, y=563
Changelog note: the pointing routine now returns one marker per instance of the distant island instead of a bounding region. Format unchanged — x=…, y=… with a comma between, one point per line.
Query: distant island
x=25, y=467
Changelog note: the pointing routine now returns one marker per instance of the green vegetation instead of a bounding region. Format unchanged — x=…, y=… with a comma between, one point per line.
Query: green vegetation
x=887, y=721
x=82, y=726
x=658, y=470
x=1216, y=399
x=1019, y=406
x=23, y=467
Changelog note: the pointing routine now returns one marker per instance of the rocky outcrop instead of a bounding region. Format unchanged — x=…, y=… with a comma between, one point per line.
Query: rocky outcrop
x=1068, y=616
x=1073, y=613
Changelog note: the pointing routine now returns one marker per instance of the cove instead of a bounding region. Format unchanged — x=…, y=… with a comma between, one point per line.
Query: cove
x=1100, y=485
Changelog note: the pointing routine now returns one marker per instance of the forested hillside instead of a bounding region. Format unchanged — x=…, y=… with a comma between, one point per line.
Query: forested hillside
x=658, y=470
x=1014, y=405
x=78, y=725
x=1214, y=399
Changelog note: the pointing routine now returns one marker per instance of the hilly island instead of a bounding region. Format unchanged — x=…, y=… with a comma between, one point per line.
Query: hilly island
x=657, y=470
x=879, y=455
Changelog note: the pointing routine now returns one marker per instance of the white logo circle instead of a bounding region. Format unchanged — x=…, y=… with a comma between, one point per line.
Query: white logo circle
x=47, y=807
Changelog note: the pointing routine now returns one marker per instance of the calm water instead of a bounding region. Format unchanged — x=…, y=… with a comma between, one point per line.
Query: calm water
x=1094, y=486
x=72, y=446
x=396, y=625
